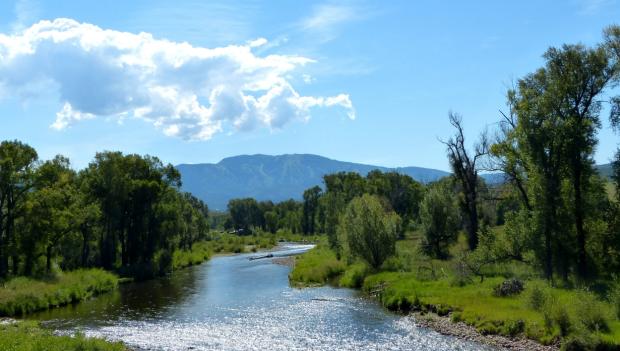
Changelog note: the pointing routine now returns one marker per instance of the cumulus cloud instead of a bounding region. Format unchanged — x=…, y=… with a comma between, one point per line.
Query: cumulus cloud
x=186, y=91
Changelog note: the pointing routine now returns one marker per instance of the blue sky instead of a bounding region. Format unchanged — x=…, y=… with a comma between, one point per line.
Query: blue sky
x=361, y=81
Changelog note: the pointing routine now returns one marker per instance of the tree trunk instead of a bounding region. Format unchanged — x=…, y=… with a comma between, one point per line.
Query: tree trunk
x=582, y=268
x=48, y=259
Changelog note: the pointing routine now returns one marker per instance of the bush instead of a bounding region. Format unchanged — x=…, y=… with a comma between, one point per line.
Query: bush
x=580, y=342
x=538, y=296
x=591, y=312
x=508, y=287
x=316, y=266
x=555, y=314
x=354, y=275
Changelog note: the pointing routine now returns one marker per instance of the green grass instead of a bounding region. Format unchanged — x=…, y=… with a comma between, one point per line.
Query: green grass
x=28, y=336
x=316, y=267
x=411, y=282
x=24, y=295
x=476, y=305
x=199, y=253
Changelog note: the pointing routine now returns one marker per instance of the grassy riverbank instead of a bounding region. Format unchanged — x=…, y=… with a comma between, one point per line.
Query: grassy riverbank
x=23, y=295
x=28, y=336
x=548, y=315
x=224, y=243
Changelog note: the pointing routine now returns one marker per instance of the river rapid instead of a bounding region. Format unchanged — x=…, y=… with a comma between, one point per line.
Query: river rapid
x=233, y=303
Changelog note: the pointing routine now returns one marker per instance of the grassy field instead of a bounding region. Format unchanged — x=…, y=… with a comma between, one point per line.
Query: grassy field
x=28, y=336
x=23, y=295
x=411, y=282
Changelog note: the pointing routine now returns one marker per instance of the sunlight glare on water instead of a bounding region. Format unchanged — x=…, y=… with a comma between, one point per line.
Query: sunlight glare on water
x=232, y=303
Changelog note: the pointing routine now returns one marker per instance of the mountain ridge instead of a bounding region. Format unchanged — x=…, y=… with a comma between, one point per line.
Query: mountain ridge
x=274, y=177
x=286, y=176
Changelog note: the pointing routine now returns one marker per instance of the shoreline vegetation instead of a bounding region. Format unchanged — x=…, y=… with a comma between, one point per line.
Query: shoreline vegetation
x=24, y=295
x=431, y=291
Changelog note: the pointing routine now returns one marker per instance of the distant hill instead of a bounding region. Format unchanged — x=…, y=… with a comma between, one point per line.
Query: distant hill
x=283, y=177
x=274, y=178
x=605, y=170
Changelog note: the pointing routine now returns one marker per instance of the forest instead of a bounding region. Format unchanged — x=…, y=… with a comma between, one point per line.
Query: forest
x=123, y=213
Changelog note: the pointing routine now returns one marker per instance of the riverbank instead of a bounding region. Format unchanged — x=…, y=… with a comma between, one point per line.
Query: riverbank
x=540, y=314
x=461, y=330
x=23, y=295
x=29, y=336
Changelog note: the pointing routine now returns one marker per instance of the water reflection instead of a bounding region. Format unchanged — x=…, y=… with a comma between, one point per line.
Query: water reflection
x=232, y=303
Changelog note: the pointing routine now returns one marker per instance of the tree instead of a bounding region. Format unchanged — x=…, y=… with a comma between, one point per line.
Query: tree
x=310, y=209
x=369, y=231
x=244, y=213
x=557, y=112
x=465, y=167
x=17, y=162
x=440, y=220
x=400, y=190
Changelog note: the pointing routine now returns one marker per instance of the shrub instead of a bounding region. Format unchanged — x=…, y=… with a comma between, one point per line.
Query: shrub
x=508, y=287
x=591, y=313
x=513, y=328
x=354, y=275
x=316, y=266
x=537, y=297
x=555, y=314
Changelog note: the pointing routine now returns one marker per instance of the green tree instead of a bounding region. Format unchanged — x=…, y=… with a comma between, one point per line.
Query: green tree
x=244, y=214
x=17, y=164
x=369, y=231
x=400, y=190
x=310, y=209
x=439, y=218
x=557, y=112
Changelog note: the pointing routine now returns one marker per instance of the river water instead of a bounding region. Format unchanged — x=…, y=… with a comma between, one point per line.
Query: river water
x=233, y=303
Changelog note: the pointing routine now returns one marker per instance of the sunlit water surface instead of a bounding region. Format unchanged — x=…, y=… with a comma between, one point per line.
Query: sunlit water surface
x=232, y=303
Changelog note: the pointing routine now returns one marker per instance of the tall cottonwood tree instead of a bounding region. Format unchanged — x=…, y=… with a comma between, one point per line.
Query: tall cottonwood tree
x=557, y=111
x=17, y=163
x=310, y=209
x=465, y=166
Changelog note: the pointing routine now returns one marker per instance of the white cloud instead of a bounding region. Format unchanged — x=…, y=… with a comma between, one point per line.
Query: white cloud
x=186, y=91
x=327, y=18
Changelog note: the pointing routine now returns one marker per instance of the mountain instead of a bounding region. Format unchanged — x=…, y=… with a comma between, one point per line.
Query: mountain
x=605, y=170
x=274, y=178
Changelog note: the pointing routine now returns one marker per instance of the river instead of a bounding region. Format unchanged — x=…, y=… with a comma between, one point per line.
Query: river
x=233, y=303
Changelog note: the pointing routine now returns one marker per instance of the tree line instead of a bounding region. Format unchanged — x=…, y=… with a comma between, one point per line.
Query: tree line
x=556, y=213
x=122, y=212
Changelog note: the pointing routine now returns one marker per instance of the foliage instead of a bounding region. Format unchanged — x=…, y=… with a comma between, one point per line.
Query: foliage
x=508, y=287
x=123, y=213
x=23, y=295
x=368, y=230
x=316, y=266
x=439, y=221
x=354, y=275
